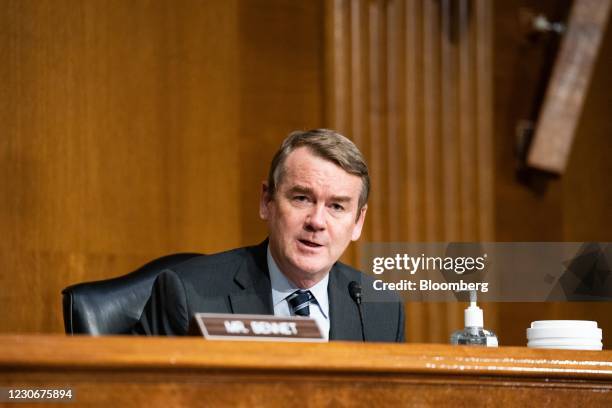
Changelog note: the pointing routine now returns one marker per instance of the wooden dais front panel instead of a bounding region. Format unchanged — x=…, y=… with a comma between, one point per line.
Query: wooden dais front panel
x=171, y=372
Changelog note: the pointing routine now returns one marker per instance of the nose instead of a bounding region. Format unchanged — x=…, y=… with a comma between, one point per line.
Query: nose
x=315, y=220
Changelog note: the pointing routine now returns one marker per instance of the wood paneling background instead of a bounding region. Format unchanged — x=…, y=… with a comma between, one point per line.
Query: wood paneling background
x=411, y=81
x=135, y=129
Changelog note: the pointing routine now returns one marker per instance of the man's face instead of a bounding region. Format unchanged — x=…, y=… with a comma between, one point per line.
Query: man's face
x=312, y=217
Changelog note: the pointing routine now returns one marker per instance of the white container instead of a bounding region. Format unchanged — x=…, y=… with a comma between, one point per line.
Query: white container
x=565, y=334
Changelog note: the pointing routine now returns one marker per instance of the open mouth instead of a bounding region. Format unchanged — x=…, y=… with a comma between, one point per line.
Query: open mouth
x=310, y=243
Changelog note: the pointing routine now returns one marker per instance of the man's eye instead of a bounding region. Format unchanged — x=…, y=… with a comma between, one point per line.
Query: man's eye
x=337, y=207
x=300, y=198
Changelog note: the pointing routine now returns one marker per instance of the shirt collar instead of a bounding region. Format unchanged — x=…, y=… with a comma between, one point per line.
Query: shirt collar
x=282, y=287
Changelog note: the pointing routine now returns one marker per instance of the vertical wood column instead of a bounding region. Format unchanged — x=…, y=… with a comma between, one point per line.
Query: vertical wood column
x=410, y=82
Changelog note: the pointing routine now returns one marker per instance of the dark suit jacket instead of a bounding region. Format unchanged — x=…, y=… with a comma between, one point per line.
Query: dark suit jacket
x=238, y=281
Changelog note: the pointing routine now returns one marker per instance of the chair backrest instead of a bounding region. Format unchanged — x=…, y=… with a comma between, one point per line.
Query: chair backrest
x=113, y=306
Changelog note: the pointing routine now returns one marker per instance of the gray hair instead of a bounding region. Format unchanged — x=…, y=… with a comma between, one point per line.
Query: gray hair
x=328, y=145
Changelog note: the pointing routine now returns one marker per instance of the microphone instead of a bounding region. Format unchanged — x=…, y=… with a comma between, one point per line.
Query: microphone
x=354, y=289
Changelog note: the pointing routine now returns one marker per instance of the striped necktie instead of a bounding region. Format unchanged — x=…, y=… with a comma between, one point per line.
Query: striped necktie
x=299, y=302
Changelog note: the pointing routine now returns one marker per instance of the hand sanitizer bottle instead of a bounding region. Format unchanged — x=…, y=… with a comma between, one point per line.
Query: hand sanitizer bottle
x=474, y=334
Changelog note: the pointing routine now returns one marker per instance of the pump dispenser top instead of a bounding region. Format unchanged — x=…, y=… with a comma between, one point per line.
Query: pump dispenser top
x=473, y=314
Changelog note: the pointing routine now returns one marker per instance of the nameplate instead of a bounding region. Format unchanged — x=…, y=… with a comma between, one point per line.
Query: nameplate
x=217, y=326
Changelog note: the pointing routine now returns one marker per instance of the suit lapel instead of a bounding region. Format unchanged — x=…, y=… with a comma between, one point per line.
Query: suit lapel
x=344, y=315
x=254, y=280
x=256, y=295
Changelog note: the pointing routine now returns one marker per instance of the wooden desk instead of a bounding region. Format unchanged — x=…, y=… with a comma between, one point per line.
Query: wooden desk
x=171, y=372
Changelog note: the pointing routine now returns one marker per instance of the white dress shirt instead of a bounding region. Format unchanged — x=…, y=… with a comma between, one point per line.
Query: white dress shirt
x=282, y=287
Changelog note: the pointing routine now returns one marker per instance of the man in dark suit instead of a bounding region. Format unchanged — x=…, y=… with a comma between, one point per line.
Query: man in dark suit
x=314, y=202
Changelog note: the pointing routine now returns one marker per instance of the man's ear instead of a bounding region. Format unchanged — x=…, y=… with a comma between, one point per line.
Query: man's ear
x=264, y=201
x=359, y=224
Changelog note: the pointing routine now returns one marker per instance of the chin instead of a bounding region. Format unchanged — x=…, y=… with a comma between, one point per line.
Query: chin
x=310, y=267
x=307, y=264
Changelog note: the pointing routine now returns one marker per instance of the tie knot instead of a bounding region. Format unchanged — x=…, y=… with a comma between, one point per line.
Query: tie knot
x=299, y=302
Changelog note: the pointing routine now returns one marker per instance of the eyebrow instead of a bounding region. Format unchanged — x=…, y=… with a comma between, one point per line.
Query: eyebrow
x=307, y=190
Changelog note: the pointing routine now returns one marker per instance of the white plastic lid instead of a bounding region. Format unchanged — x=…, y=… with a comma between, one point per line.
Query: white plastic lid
x=564, y=329
x=586, y=324
x=569, y=334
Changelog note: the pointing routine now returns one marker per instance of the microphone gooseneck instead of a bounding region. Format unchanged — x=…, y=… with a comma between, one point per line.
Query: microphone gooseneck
x=354, y=289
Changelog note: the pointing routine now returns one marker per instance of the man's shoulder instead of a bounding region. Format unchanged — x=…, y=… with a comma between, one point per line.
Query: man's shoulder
x=219, y=264
x=212, y=260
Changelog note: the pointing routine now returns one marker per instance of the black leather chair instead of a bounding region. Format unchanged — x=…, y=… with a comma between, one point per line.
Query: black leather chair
x=113, y=306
